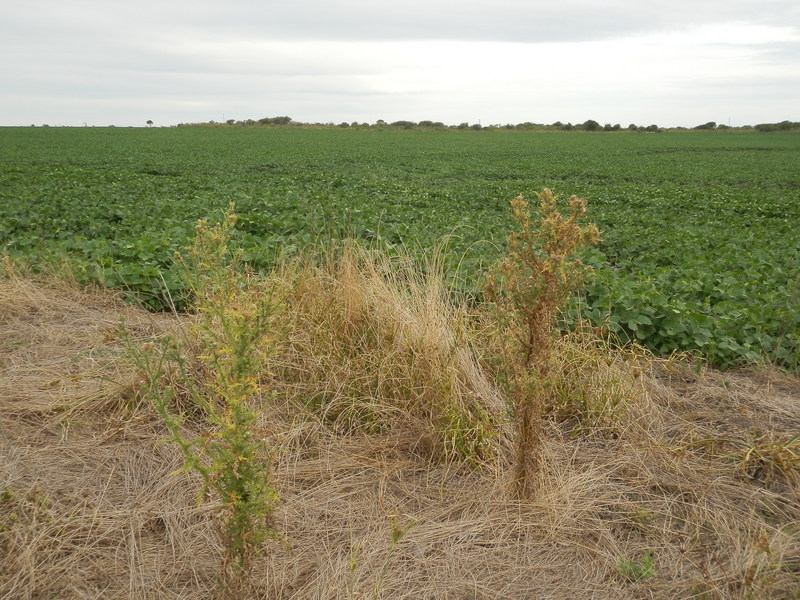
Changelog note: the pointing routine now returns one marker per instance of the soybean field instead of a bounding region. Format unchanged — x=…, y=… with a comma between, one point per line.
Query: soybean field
x=701, y=230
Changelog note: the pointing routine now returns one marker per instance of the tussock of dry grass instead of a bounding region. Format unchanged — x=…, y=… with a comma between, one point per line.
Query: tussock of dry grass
x=638, y=456
x=374, y=345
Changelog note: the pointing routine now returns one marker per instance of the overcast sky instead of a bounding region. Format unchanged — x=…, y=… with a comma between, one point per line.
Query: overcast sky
x=668, y=62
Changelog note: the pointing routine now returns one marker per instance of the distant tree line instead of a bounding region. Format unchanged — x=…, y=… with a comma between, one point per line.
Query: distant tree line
x=590, y=125
x=782, y=126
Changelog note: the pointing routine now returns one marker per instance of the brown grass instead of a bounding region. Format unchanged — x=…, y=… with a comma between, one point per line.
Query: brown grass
x=638, y=455
x=375, y=344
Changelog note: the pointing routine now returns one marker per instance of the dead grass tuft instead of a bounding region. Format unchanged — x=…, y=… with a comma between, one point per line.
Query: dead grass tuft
x=378, y=345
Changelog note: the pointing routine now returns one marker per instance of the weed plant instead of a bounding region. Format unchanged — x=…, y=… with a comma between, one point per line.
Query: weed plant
x=528, y=288
x=234, y=334
x=636, y=570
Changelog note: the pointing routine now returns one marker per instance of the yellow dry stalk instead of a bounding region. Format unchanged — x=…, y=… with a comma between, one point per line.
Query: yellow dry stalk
x=771, y=459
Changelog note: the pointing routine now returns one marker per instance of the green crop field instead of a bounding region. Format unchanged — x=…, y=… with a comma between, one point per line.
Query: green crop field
x=701, y=230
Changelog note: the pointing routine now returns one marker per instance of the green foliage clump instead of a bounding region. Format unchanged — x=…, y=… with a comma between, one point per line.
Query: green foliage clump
x=636, y=570
x=218, y=376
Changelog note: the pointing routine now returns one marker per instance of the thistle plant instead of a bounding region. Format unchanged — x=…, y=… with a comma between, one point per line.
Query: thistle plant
x=528, y=288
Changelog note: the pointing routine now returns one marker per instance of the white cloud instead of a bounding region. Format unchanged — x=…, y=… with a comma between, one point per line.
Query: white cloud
x=494, y=60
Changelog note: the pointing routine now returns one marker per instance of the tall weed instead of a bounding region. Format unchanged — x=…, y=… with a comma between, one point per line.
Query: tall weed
x=219, y=375
x=527, y=289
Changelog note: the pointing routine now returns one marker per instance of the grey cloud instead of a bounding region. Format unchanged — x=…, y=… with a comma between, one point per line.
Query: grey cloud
x=164, y=35
x=484, y=20
x=188, y=56
x=368, y=20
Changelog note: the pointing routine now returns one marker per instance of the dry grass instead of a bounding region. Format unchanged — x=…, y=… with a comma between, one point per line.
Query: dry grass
x=375, y=344
x=638, y=456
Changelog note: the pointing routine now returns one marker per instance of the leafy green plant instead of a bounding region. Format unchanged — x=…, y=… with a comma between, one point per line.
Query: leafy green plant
x=636, y=570
x=528, y=288
x=232, y=343
x=700, y=248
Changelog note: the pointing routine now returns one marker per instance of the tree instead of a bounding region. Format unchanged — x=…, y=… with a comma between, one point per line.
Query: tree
x=149, y=122
x=275, y=120
x=403, y=124
x=591, y=125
